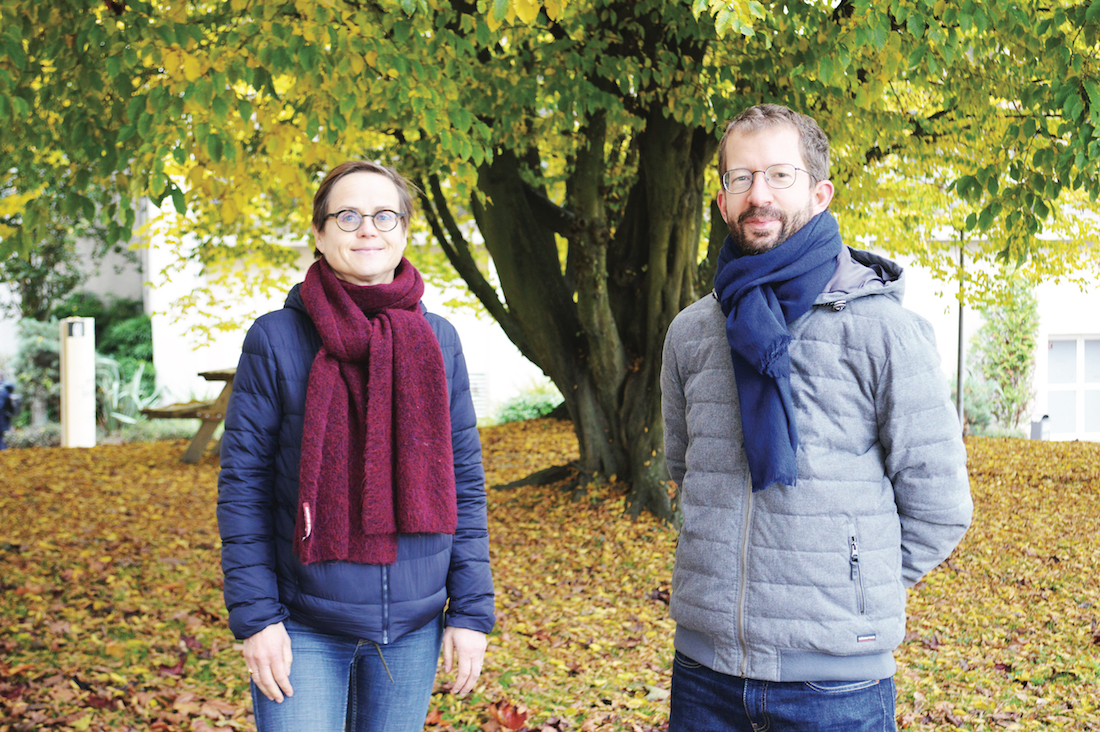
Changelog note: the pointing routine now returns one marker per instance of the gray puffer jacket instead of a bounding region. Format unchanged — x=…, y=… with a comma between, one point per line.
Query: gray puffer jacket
x=807, y=583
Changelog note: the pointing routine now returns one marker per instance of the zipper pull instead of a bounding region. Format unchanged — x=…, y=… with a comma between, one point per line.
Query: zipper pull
x=854, y=556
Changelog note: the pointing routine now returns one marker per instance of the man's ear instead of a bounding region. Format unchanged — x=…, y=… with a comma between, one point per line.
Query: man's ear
x=822, y=195
x=720, y=199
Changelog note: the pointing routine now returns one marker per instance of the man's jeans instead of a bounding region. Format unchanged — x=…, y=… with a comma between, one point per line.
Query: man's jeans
x=338, y=679
x=704, y=700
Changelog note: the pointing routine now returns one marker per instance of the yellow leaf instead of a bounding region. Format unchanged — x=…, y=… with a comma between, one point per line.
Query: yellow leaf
x=192, y=69
x=528, y=10
x=229, y=211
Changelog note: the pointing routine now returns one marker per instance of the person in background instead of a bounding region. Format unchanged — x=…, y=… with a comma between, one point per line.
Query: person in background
x=9, y=406
x=351, y=500
x=821, y=466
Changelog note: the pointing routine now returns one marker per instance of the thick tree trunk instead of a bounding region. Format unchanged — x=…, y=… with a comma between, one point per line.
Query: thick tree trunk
x=598, y=330
x=592, y=278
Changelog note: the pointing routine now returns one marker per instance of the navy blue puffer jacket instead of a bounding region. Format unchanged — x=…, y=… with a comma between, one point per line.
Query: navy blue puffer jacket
x=258, y=498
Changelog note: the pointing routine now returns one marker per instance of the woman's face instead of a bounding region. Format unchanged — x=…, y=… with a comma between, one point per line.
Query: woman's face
x=366, y=256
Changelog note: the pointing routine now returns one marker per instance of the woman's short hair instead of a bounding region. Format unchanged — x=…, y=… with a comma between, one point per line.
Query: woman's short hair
x=324, y=191
x=813, y=144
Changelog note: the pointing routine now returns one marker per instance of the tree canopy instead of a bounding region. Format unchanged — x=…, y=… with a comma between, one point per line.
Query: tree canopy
x=571, y=141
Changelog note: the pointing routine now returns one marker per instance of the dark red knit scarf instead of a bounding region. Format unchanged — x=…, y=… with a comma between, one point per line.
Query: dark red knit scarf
x=376, y=443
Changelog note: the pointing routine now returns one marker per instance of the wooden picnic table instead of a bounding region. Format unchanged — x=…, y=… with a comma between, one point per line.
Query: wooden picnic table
x=211, y=413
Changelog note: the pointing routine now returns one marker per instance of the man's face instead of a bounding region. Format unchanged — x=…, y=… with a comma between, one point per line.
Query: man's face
x=762, y=218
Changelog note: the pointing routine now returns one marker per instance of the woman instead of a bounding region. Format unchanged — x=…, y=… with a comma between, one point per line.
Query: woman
x=351, y=500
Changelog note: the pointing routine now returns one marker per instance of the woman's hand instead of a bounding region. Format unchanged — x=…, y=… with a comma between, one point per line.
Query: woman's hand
x=268, y=657
x=469, y=646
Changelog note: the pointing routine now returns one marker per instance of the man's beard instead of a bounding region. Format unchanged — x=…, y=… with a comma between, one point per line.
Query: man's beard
x=789, y=224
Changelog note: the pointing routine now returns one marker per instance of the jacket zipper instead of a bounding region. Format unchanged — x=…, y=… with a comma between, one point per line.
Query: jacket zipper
x=385, y=605
x=744, y=585
x=856, y=575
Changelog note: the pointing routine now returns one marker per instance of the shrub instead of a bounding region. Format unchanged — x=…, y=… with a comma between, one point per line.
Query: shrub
x=536, y=401
x=144, y=430
x=120, y=401
x=978, y=397
x=37, y=369
x=47, y=435
x=1004, y=352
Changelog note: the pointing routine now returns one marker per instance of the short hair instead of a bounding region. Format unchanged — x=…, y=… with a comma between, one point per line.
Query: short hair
x=813, y=144
x=324, y=191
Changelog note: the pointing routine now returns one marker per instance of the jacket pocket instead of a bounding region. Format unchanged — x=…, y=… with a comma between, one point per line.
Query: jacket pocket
x=855, y=571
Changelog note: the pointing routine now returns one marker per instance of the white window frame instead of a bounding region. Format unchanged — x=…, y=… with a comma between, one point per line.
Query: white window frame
x=1077, y=387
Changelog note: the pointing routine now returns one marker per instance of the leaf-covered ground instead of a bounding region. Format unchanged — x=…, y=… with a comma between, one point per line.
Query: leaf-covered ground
x=112, y=618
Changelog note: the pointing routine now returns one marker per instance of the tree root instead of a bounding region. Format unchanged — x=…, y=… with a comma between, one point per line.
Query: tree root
x=573, y=478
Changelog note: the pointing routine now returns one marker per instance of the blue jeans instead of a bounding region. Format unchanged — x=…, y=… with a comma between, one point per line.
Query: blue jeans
x=704, y=700
x=341, y=681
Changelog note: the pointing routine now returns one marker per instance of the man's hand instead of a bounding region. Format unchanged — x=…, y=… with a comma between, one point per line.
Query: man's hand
x=268, y=657
x=469, y=647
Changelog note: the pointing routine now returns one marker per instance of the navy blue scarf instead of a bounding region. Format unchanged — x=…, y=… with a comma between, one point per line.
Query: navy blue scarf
x=760, y=294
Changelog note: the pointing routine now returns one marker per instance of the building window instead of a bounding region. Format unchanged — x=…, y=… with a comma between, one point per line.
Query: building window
x=1073, y=387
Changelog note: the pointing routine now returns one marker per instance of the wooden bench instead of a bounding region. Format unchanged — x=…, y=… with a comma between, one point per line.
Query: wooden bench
x=211, y=413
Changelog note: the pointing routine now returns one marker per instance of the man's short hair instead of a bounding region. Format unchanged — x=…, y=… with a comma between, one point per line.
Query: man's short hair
x=813, y=144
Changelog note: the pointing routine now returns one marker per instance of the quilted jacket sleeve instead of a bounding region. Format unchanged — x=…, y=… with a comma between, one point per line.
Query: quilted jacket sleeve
x=925, y=455
x=674, y=408
x=246, y=490
x=469, y=580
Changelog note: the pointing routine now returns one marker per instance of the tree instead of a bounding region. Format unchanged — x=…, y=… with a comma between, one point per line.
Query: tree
x=51, y=268
x=578, y=136
x=1004, y=349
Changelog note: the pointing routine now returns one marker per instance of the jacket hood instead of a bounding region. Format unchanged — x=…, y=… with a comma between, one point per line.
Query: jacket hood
x=294, y=299
x=860, y=274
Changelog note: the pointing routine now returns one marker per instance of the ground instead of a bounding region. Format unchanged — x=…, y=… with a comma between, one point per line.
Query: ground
x=112, y=617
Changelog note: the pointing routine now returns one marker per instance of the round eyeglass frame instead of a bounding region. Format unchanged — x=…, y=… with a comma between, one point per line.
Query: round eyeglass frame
x=380, y=224
x=768, y=173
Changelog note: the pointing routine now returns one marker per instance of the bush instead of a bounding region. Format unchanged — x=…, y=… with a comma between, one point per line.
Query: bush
x=37, y=369
x=537, y=401
x=978, y=397
x=124, y=338
x=120, y=401
x=48, y=435
x=144, y=430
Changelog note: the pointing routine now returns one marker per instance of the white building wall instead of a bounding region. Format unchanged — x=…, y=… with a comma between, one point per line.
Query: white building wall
x=497, y=369
x=498, y=372
x=1069, y=320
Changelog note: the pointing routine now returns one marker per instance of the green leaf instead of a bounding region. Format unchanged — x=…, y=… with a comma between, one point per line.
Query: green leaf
x=215, y=147
x=1074, y=107
x=985, y=220
x=1092, y=15
x=220, y=107
x=179, y=201
x=915, y=25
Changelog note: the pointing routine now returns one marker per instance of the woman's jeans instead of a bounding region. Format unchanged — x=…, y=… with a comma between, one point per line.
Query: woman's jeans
x=338, y=680
x=704, y=700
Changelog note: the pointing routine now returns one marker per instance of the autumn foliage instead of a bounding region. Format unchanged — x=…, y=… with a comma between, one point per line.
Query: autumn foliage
x=112, y=618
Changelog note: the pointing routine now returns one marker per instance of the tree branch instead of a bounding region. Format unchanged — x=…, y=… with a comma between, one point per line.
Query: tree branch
x=454, y=244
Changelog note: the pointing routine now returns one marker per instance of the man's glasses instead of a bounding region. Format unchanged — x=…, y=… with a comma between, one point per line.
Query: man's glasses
x=349, y=220
x=778, y=176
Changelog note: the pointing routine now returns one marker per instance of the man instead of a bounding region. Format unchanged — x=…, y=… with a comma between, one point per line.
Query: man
x=821, y=467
